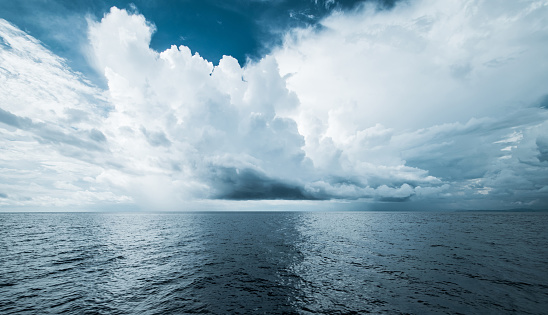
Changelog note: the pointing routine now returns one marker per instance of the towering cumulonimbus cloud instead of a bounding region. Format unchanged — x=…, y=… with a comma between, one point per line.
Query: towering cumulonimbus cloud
x=212, y=132
x=226, y=127
x=434, y=104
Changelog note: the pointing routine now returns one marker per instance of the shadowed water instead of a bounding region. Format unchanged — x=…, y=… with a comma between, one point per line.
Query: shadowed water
x=274, y=262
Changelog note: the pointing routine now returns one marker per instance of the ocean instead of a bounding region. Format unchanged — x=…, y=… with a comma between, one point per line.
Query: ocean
x=274, y=263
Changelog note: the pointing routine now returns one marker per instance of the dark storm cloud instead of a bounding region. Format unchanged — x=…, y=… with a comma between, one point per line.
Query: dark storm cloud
x=543, y=102
x=394, y=199
x=542, y=146
x=248, y=184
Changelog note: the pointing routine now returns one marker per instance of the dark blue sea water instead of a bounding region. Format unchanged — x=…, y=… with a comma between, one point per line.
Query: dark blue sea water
x=273, y=263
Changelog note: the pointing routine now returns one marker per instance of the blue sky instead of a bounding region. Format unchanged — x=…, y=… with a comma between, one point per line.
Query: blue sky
x=239, y=28
x=340, y=105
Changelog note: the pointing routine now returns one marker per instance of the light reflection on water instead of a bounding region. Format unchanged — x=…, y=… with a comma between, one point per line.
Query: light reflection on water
x=284, y=262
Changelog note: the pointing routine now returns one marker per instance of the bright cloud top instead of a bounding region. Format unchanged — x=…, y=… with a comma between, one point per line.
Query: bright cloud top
x=438, y=103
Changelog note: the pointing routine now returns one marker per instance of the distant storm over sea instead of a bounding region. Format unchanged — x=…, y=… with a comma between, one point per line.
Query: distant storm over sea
x=273, y=157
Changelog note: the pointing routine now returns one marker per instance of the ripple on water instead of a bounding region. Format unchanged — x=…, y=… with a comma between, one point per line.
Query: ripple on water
x=287, y=262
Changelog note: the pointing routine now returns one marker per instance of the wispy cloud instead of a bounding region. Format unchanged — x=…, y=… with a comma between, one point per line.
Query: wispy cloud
x=52, y=148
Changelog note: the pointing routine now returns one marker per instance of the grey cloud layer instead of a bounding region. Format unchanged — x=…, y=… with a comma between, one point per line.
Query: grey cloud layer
x=418, y=103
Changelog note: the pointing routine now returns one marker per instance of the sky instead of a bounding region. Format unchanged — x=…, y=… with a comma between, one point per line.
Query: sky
x=273, y=105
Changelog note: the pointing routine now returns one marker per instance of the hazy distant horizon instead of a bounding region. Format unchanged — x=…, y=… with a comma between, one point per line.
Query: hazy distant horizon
x=134, y=209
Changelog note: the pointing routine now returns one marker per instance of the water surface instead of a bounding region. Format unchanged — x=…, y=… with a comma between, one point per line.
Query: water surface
x=274, y=262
